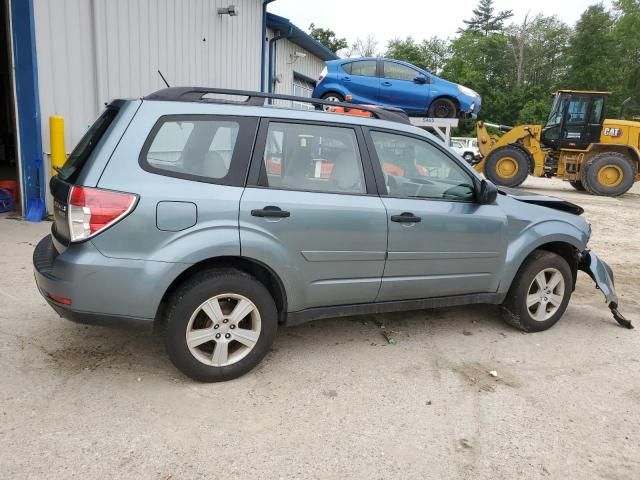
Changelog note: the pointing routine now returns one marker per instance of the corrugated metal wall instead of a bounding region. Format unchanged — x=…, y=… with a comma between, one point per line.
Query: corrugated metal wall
x=91, y=51
x=286, y=64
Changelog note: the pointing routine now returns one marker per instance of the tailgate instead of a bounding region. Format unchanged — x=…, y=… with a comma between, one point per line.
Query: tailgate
x=60, y=230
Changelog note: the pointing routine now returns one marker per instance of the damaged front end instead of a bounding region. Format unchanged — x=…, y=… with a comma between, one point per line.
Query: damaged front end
x=602, y=275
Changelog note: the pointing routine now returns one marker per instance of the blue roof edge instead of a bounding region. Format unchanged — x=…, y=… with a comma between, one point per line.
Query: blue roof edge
x=300, y=37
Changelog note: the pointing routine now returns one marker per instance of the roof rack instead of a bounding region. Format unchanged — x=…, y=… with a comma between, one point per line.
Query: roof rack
x=198, y=94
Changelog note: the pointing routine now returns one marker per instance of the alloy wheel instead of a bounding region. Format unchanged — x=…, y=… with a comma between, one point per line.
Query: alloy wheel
x=545, y=294
x=223, y=330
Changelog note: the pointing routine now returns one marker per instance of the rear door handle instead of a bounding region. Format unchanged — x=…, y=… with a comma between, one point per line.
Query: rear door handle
x=405, y=217
x=271, y=211
x=346, y=79
x=386, y=84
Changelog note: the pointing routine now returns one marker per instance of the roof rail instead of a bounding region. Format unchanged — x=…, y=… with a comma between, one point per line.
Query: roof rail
x=198, y=94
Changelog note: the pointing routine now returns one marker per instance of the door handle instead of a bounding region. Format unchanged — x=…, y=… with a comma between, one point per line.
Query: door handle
x=271, y=211
x=386, y=84
x=346, y=79
x=406, y=217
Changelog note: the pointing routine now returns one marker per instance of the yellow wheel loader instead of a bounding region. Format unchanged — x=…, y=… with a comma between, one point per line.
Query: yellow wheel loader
x=577, y=144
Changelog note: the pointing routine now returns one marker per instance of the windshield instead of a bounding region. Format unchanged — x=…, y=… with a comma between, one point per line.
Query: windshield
x=557, y=111
x=73, y=166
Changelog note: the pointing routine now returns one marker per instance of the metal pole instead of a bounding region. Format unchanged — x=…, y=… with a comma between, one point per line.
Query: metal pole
x=58, y=152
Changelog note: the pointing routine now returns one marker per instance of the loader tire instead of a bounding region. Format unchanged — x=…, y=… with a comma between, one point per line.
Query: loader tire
x=608, y=174
x=507, y=166
x=577, y=184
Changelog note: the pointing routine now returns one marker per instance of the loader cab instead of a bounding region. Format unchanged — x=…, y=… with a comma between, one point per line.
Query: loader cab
x=575, y=120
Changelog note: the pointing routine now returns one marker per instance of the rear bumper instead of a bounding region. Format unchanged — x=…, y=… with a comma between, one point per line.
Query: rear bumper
x=103, y=291
x=90, y=318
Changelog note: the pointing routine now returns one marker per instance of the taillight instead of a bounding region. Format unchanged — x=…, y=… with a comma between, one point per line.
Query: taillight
x=323, y=74
x=91, y=210
x=59, y=299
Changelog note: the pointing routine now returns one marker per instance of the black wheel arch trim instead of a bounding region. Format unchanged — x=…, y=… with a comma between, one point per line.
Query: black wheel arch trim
x=240, y=263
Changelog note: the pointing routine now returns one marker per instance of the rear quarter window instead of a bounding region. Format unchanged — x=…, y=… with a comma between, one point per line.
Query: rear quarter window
x=87, y=144
x=362, y=68
x=206, y=148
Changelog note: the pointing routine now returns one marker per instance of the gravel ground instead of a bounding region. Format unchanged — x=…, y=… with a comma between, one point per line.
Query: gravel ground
x=333, y=399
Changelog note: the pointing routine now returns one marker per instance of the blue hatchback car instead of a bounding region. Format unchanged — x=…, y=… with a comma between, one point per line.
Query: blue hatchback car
x=388, y=82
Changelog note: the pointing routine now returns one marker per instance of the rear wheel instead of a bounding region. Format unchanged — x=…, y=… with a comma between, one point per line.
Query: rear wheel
x=540, y=293
x=468, y=156
x=442, y=108
x=332, y=97
x=608, y=173
x=507, y=166
x=220, y=324
x=577, y=184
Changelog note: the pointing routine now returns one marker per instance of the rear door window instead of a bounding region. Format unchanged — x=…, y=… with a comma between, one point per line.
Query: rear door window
x=199, y=147
x=313, y=158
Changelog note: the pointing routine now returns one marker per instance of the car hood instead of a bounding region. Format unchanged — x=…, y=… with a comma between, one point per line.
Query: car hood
x=454, y=86
x=542, y=200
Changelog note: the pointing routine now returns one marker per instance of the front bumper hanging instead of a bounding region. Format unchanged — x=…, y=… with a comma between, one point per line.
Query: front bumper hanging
x=602, y=275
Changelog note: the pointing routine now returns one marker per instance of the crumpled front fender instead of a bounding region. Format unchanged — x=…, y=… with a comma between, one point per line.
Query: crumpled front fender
x=602, y=275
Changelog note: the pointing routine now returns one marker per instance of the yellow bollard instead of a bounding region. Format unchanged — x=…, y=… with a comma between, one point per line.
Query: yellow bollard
x=56, y=133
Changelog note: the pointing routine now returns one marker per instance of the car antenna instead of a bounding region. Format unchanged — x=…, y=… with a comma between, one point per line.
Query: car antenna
x=164, y=79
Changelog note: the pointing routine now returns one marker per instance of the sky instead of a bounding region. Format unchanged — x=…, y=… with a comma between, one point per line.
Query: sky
x=418, y=18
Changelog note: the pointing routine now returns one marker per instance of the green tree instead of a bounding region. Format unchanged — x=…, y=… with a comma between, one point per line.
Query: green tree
x=485, y=21
x=327, y=37
x=539, y=45
x=592, y=51
x=484, y=64
x=534, y=111
x=626, y=35
x=431, y=54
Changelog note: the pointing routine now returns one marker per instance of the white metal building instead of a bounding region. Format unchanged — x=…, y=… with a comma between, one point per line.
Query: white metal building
x=69, y=57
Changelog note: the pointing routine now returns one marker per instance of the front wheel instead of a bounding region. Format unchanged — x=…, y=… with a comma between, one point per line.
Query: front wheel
x=507, y=166
x=219, y=325
x=442, y=108
x=468, y=156
x=540, y=293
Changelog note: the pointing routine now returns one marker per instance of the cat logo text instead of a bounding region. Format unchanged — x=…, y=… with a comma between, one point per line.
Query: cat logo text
x=612, y=132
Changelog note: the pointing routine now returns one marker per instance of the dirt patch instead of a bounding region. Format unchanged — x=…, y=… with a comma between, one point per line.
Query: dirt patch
x=478, y=376
x=89, y=358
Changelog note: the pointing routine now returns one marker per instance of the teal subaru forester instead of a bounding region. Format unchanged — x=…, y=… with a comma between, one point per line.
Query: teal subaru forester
x=217, y=218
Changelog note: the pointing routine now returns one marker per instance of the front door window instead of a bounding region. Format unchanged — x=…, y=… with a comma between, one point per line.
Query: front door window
x=416, y=169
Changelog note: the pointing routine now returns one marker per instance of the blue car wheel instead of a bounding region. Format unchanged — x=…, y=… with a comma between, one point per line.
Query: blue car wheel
x=442, y=108
x=333, y=97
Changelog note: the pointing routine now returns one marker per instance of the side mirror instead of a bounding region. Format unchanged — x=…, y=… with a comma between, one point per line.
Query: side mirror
x=486, y=192
x=420, y=79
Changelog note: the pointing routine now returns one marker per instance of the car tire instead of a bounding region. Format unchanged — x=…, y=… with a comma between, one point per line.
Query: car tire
x=442, y=108
x=333, y=97
x=535, y=301
x=507, y=166
x=235, y=341
x=608, y=174
x=577, y=184
x=468, y=156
